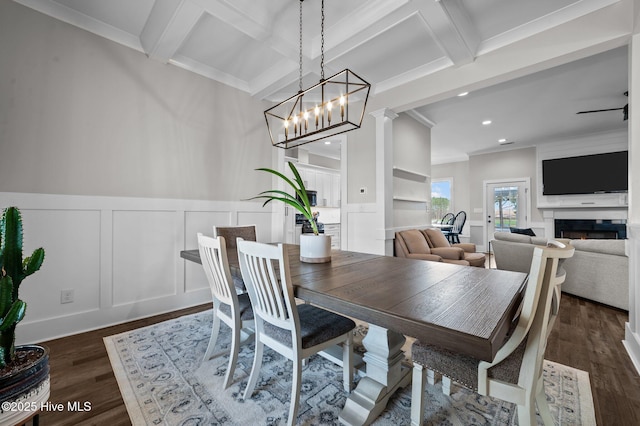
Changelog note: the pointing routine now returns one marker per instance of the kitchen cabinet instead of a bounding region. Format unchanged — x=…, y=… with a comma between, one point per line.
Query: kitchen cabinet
x=325, y=182
x=333, y=230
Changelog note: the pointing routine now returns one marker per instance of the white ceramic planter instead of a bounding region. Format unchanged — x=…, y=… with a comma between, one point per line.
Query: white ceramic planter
x=315, y=248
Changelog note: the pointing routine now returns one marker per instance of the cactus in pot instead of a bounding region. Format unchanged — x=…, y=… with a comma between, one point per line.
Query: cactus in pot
x=13, y=270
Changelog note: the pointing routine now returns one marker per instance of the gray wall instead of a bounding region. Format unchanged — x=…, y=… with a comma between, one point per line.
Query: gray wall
x=516, y=163
x=459, y=172
x=361, y=162
x=85, y=116
x=468, y=178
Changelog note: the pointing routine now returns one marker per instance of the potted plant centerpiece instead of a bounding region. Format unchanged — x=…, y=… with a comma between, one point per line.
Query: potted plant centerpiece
x=316, y=247
x=24, y=370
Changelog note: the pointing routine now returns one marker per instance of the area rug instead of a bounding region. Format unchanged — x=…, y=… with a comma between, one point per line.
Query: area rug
x=163, y=381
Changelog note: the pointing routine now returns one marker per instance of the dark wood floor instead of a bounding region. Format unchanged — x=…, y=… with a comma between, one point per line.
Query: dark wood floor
x=586, y=336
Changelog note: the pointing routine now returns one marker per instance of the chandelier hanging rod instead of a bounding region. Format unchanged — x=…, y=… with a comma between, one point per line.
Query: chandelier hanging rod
x=309, y=115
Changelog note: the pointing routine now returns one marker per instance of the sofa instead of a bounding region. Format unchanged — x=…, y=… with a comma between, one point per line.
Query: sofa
x=598, y=270
x=431, y=244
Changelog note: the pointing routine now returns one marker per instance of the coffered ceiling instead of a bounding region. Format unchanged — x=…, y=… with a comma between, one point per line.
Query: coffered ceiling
x=252, y=45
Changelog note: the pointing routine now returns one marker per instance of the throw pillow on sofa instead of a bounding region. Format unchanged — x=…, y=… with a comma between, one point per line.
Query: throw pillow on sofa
x=523, y=231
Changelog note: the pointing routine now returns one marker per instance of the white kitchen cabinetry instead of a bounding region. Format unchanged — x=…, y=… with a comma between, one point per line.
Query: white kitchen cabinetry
x=325, y=182
x=335, y=189
x=333, y=230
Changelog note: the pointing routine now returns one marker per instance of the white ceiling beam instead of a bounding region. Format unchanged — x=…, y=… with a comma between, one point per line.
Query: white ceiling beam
x=168, y=26
x=256, y=27
x=361, y=25
x=452, y=29
x=543, y=23
x=284, y=73
x=249, y=22
x=419, y=72
x=209, y=72
x=421, y=118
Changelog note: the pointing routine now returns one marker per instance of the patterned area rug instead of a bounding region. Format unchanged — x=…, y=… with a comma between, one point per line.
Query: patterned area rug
x=163, y=381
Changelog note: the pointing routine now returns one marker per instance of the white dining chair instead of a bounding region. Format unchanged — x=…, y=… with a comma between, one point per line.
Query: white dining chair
x=294, y=331
x=515, y=375
x=232, y=309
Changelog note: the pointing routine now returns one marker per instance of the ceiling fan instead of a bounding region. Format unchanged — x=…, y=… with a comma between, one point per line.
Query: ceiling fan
x=625, y=109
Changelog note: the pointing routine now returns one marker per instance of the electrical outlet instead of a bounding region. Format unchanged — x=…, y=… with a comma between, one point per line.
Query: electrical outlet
x=66, y=296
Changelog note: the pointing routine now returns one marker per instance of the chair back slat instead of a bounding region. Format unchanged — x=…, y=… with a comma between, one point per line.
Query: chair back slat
x=458, y=222
x=216, y=267
x=265, y=272
x=447, y=219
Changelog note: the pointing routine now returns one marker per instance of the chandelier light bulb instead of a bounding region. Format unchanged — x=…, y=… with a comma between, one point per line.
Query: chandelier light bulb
x=342, y=102
x=295, y=125
x=329, y=106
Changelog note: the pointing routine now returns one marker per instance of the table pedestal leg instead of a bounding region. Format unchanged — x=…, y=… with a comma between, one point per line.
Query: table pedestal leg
x=385, y=375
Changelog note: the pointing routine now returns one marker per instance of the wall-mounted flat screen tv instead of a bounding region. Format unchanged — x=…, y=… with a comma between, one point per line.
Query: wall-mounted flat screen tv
x=586, y=174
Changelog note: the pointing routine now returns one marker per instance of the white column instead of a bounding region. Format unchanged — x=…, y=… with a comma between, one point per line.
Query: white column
x=384, y=179
x=632, y=329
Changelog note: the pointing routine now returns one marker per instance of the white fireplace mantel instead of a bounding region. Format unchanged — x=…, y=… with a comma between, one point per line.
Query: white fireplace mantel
x=549, y=215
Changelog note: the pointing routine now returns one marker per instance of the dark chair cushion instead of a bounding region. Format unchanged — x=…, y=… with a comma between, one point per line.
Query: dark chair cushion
x=523, y=231
x=317, y=325
x=246, y=312
x=463, y=369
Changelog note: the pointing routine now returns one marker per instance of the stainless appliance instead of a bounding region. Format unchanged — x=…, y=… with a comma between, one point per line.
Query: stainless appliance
x=313, y=197
x=306, y=224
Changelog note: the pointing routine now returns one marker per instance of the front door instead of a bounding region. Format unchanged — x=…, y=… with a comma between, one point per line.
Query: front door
x=507, y=203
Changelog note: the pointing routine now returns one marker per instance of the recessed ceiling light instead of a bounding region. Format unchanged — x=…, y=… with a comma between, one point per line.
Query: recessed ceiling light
x=486, y=122
x=463, y=94
x=503, y=140
x=327, y=142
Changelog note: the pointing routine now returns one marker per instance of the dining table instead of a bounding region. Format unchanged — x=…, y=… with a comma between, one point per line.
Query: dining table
x=467, y=310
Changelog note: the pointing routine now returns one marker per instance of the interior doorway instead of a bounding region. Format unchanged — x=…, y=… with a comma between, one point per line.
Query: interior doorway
x=507, y=205
x=322, y=166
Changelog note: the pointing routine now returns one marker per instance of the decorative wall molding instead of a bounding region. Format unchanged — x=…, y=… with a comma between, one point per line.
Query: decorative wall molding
x=120, y=256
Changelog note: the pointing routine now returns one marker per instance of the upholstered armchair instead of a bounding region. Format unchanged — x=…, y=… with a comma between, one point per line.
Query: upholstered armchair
x=413, y=244
x=437, y=241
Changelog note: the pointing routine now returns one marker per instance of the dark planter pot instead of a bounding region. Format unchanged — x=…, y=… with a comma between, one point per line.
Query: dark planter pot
x=29, y=369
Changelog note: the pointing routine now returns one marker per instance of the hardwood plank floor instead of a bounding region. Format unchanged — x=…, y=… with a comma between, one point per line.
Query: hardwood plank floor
x=586, y=335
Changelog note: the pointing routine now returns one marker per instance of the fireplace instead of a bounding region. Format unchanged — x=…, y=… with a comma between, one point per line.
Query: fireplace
x=590, y=229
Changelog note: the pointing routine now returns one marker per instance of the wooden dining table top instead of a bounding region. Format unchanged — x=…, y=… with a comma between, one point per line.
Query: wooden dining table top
x=465, y=309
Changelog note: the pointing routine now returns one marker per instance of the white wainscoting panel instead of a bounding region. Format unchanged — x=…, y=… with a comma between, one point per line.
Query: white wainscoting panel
x=71, y=239
x=365, y=234
x=143, y=241
x=119, y=255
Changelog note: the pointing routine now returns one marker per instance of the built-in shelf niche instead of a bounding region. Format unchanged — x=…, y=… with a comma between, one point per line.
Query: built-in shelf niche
x=410, y=199
x=409, y=174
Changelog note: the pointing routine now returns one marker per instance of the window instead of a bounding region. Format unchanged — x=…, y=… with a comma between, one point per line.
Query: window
x=441, y=201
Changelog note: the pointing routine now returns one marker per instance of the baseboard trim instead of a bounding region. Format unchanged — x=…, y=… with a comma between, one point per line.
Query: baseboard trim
x=631, y=343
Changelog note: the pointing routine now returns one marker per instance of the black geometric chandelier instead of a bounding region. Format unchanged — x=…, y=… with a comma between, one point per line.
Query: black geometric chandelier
x=335, y=105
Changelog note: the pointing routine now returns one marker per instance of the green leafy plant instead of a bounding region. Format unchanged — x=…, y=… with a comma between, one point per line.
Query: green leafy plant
x=13, y=271
x=300, y=203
